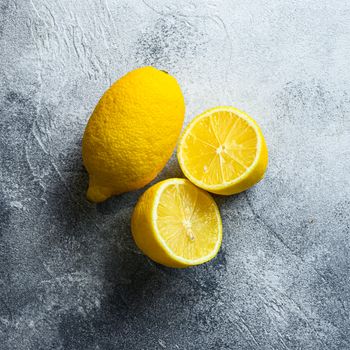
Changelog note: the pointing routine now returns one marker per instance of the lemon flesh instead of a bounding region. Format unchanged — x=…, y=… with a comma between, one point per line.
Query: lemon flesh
x=176, y=224
x=132, y=132
x=223, y=151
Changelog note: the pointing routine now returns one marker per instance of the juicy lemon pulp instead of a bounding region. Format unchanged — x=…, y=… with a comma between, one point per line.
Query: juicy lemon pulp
x=223, y=151
x=176, y=224
x=187, y=221
x=224, y=147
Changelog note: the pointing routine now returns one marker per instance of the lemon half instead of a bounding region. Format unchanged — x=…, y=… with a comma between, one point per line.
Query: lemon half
x=177, y=224
x=223, y=151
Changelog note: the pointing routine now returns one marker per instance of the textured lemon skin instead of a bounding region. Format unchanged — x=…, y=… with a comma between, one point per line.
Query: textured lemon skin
x=145, y=234
x=132, y=132
x=250, y=178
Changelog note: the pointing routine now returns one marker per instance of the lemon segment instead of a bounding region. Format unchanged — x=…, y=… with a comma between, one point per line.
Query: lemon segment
x=223, y=151
x=177, y=224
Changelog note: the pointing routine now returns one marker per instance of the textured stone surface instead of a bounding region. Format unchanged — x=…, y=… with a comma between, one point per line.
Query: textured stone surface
x=70, y=274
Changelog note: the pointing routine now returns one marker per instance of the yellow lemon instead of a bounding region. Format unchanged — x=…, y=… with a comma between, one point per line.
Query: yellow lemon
x=132, y=132
x=223, y=151
x=177, y=224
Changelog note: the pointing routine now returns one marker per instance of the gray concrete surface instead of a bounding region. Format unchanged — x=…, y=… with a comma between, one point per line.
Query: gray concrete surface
x=70, y=274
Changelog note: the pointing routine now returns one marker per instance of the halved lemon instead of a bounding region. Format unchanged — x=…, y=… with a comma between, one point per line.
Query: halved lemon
x=177, y=224
x=223, y=151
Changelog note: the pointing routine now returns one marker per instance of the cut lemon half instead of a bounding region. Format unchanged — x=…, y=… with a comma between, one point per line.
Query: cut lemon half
x=223, y=151
x=177, y=224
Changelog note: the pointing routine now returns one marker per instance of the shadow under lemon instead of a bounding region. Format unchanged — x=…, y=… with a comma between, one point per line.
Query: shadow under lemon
x=99, y=235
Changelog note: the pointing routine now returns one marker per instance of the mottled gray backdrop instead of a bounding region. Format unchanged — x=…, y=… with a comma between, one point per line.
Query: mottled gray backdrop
x=70, y=274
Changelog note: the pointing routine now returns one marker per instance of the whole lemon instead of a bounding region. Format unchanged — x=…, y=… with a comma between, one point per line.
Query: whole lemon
x=132, y=132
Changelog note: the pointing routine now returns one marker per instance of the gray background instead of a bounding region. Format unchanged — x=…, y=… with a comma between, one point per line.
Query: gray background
x=70, y=274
